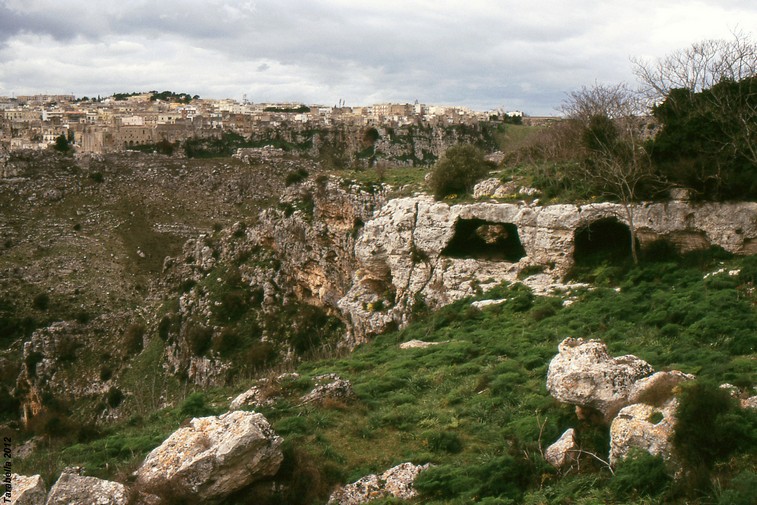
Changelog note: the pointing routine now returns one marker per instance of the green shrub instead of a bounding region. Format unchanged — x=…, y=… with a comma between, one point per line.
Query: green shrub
x=106, y=373
x=640, y=473
x=711, y=425
x=444, y=441
x=133, y=336
x=296, y=176
x=445, y=481
x=195, y=405
x=114, y=397
x=164, y=328
x=41, y=301
x=458, y=170
x=741, y=491
x=66, y=349
x=199, y=339
x=226, y=342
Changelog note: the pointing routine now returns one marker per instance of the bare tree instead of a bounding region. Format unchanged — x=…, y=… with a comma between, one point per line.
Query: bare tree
x=612, y=132
x=698, y=67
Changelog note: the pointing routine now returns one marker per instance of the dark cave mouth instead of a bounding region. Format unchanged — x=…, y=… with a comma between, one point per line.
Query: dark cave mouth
x=485, y=240
x=605, y=239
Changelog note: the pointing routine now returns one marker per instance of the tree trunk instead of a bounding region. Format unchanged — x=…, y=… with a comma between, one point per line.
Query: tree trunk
x=632, y=228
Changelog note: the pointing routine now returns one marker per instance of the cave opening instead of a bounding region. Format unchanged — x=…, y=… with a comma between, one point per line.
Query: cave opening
x=606, y=239
x=486, y=240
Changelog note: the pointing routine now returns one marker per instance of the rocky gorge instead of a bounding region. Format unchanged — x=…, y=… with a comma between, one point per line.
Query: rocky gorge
x=319, y=265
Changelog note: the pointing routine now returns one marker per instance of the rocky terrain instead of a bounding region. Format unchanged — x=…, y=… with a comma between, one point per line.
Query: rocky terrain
x=129, y=280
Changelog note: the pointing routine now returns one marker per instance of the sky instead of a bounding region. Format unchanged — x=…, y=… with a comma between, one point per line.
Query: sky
x=482, y=54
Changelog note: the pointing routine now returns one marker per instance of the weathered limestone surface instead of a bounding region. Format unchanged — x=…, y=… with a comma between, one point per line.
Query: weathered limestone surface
x=396, y=482
x=637, y=427
x=584, y=374
x=265, y=392
x=641, y=404
x=401, y=247
x=562, y=452
x=72, y=488
x=27, y=490
x=213, y=456
x=329, y=387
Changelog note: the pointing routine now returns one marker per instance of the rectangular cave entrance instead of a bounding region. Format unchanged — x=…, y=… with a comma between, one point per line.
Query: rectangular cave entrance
x=485, y=240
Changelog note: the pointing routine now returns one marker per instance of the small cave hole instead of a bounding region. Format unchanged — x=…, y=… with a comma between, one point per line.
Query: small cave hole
x=485, y=240
x=606, y=239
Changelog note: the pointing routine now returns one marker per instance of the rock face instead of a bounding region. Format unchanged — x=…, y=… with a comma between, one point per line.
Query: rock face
x=213, y=457
x=584, y=374
x=642, y=426
x=27, y=490
x=72, y=488
x=562, y=452
x=403, y=252
x=396, y=482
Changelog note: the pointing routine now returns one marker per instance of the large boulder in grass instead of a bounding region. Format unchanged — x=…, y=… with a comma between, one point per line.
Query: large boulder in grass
x=213, y=457
x=27, y=490
x=74, y=488
x=584, y=374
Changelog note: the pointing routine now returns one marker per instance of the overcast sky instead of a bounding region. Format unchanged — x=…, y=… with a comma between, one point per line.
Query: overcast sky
x=485, y=54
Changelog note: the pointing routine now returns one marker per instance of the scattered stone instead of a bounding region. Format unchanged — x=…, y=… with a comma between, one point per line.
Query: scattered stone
x=645, y=427
x=749, y=403
x=72, y=488
x=562, y=452
x=480, y=304
x=397, y=482
x=331, y=387
x=584, y=374
x=213, y=456
x=418, y=344
x=27, y=490
x=264, y=393
x=732, y=390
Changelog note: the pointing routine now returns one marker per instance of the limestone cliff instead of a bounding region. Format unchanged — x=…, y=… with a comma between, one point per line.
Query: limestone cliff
x=370, y=261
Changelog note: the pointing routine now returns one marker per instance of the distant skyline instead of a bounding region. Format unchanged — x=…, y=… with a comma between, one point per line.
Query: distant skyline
x=482, y=54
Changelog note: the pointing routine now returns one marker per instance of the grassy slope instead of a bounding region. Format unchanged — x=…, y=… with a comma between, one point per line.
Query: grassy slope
x=477, y=406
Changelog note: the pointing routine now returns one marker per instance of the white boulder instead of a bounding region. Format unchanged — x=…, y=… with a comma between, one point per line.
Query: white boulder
x=584, y=374
x=27, y=490
x=213, y=456
x=72, y=488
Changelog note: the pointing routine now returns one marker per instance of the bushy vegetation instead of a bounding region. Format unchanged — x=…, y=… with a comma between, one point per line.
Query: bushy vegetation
x=476, y=406
x=458, y=171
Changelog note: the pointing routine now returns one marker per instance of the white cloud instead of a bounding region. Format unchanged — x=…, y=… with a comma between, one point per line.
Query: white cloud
x=482, y=53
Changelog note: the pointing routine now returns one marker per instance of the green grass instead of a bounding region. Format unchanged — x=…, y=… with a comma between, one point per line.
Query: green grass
x=476, y=406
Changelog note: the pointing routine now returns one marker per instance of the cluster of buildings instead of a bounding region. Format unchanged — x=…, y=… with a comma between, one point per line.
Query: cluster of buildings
x=122, y=122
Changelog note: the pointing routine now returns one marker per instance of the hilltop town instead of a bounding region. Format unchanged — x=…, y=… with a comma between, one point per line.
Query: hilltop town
x=123, y=121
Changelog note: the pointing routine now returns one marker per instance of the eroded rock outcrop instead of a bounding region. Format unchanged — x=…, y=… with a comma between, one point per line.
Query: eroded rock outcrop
x=641, y=404
x=329, y=387
x=27, y=490
x=403, y=255
x=584, y=374
x=213, y=456
x=645, y=427
x=265, y=391
x=81, y=490
x=563, y=451
x=396, y=482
